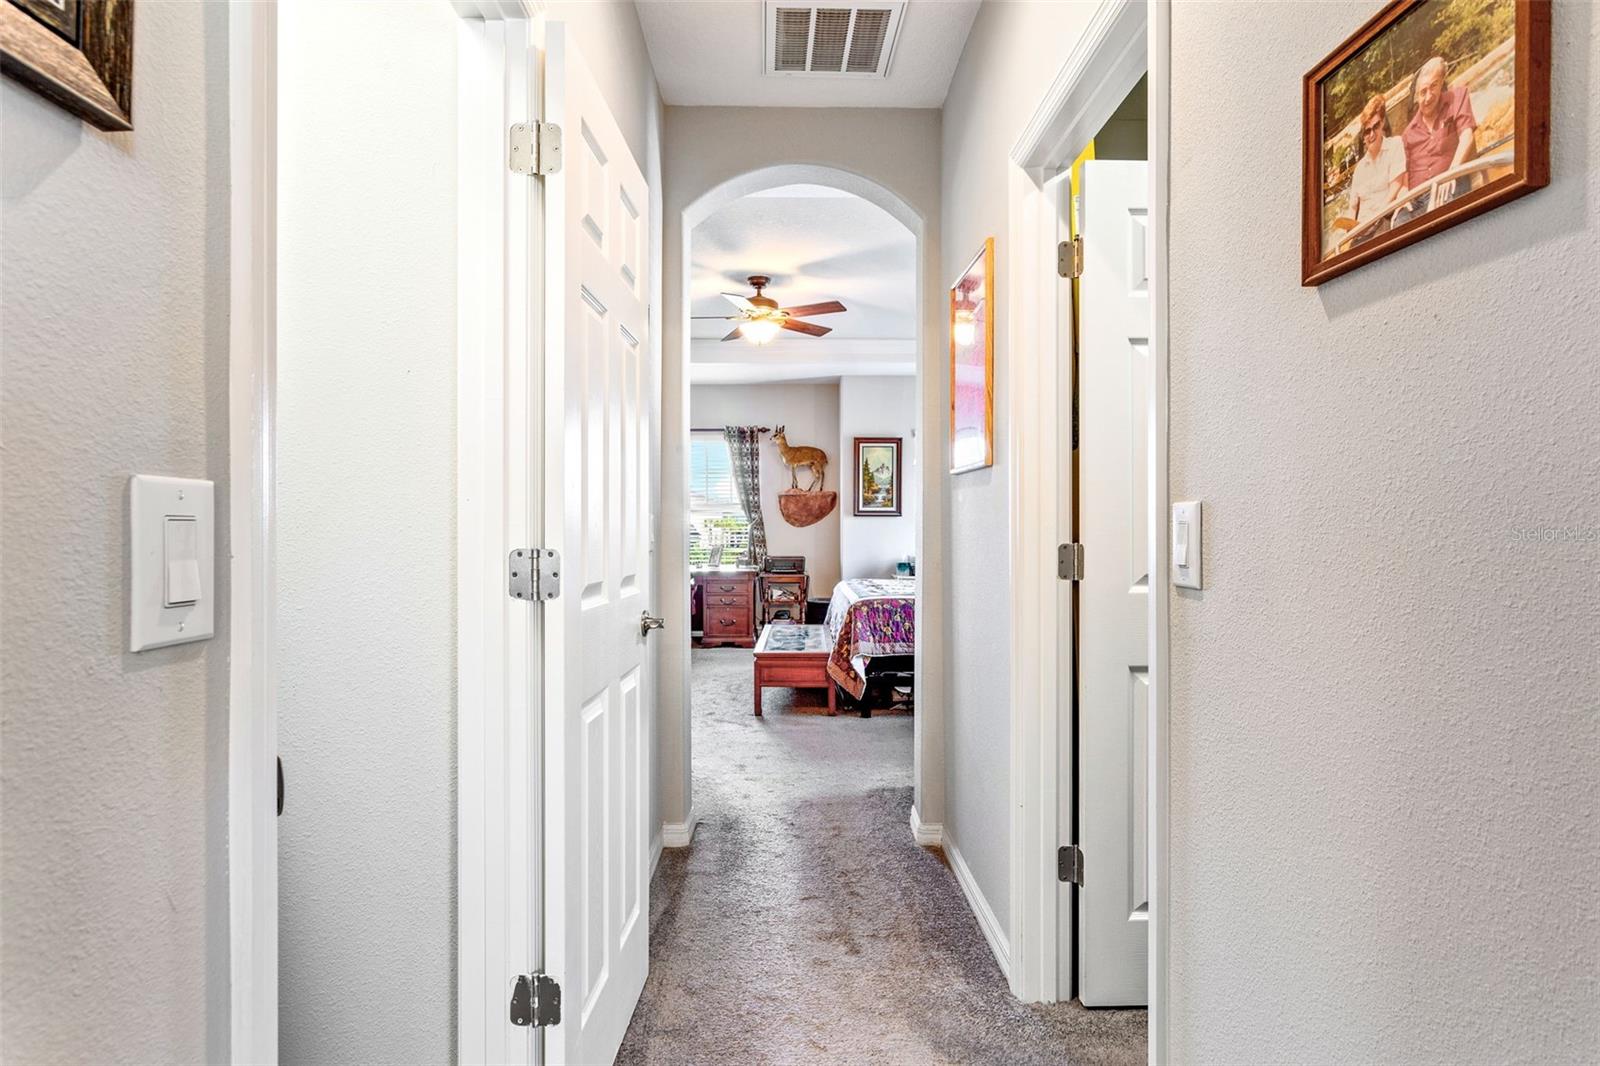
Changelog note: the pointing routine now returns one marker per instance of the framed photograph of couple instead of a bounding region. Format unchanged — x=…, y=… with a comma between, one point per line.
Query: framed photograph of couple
x=76, y=53
x=1431, y=113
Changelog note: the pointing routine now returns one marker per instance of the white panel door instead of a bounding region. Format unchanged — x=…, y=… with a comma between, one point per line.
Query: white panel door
x=597, y=444
x=1114, y=526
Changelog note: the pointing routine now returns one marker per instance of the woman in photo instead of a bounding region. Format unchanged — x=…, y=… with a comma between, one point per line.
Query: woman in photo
x=1380, y=174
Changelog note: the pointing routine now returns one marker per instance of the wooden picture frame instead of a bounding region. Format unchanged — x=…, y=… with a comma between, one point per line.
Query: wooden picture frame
x=878, y=460
x=1509, y=156
x=972, y=364
x=76, y=53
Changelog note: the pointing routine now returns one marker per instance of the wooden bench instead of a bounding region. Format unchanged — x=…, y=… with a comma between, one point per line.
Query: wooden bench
x=790, y=656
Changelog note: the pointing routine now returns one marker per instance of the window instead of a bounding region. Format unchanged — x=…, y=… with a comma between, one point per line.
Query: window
x=714, y=509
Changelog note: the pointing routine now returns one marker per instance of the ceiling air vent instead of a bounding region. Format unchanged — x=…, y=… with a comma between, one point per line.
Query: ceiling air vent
x=838, y=40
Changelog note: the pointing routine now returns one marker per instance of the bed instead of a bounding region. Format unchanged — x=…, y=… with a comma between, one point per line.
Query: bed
x=869, y=618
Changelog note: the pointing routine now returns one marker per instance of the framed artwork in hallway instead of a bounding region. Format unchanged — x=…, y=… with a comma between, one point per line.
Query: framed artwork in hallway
x=877, y=476
x=1431, y=113
x=76, y=53
x=972, y=364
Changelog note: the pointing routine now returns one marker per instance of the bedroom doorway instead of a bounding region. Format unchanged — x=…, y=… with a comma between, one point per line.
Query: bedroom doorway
x=803, y=783
x=813, y=385
x=1088, y=383
x=1091, y=212
x=1105, y=919
x=803, y=453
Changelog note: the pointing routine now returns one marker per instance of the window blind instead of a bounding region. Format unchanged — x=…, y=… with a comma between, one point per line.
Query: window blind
x=711, y=487
x=714, y=501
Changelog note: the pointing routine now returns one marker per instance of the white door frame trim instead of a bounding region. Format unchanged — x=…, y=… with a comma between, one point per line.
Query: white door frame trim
x=1159, y=115
x=499, y=362
x=1038, y=487
x=252, y=414
x=1123, y=40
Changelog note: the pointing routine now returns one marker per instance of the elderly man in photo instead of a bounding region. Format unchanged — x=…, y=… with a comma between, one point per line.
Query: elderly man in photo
x=1440, y=133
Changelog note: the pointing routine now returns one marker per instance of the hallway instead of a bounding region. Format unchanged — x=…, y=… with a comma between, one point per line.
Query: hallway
x=803, y=925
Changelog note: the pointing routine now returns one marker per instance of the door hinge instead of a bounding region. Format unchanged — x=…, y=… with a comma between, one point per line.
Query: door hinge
x=1069, y=562
x=536, y=1000
x=1069, y=258
x=535, y=148
x=534, y=574
x=1069, y=865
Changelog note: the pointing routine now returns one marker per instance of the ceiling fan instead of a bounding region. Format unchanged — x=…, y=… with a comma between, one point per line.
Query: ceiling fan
x=760, y=318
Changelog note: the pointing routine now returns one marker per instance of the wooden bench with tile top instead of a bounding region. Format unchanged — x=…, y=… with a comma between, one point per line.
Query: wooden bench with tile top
x=790, y=656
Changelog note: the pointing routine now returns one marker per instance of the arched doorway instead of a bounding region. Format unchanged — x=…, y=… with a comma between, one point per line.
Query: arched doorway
x=674, y=741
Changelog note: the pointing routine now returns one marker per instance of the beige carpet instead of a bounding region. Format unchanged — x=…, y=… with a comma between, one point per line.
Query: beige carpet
x=804, y=926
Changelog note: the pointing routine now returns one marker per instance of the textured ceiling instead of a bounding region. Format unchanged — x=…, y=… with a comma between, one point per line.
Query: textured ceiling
x=710, y=53
x=815, y=244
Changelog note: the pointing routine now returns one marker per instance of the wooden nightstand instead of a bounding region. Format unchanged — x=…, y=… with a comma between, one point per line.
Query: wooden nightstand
x=728, y=607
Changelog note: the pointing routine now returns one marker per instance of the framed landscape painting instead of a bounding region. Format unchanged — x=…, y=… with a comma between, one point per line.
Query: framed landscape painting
x=878, y=476
x=972, y=365
x=1431, y=113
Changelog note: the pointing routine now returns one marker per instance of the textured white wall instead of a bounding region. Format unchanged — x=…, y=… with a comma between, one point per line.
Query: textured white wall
x=113, y=840
x=1013, y=54
x=366, y=532
x=1384, y=704
x=870, y=545
x=709, y=149
x=811, y=413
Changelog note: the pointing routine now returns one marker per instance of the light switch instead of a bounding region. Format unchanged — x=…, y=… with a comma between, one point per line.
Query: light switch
x=182, y=561
x=171, y=542
x=1186, y=553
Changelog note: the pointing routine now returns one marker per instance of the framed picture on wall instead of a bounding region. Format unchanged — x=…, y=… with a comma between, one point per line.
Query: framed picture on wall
x=76, y=53
x=877, y=476
x=972, y=365
x=1431, y=113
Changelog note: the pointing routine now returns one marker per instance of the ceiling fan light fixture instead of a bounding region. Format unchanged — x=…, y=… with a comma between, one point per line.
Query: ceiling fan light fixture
x=759, y=330
x=760, y=319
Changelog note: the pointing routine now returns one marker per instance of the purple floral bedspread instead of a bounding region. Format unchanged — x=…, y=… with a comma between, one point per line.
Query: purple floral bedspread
x=869, y=617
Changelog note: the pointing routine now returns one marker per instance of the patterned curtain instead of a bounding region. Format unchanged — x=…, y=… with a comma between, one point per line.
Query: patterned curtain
x=744, y=445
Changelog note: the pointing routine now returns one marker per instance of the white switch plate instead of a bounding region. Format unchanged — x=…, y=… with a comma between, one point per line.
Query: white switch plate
x=152, y=502
x=1186, y=553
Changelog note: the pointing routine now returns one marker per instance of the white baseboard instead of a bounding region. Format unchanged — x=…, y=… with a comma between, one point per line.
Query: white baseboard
x=992, y=932
x=655, y=854
x=679, y=834
x=926, y=834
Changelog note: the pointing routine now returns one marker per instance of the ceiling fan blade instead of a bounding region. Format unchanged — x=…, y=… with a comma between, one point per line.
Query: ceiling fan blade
x=809, y=328
x=832, y=307
x=717, y=318
x=734, y=334
x=738, y=301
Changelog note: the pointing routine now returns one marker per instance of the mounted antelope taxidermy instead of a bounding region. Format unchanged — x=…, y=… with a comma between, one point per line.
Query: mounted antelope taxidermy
x=795, y=458
x=809, y=505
